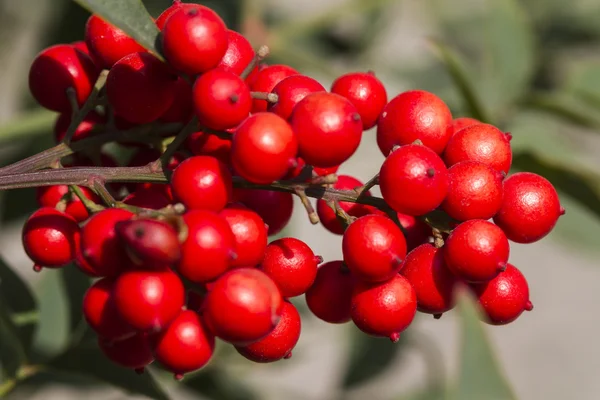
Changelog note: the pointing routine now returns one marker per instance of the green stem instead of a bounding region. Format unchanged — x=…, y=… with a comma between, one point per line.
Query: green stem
x=89, y=204
x=190, y=128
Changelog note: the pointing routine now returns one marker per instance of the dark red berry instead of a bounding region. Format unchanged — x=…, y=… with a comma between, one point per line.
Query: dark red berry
x=149, y=243
x=290, y=91
x=329, y=298
x=182, y=108
x=266, y=79
x=416, y=231
x=238, y=55
x=206, y=144
x=151, y=197
x=101, y=313
x=298, y=168
x=366, y=92
x=107, y=43
x=81, y=46
x=459, y=123
x=275, y=208
x=250, y=234
x=83, y=130
x=134, y=352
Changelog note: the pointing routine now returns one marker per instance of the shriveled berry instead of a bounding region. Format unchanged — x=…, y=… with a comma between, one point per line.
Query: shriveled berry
x=266, y=79
x=250, y=235
x=149, y=243
x=290, y=91
x=366, y=92
x=275, y=208
x=107, y=43
x=206, y=144
x=238, y=55
x=101, y=314
x=459, y=123
x=134, y=352
x=416, y=231
x=329, y=298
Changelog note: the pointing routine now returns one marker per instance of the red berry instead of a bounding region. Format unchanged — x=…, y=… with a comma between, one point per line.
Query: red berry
x=205, y=144
x=50, y=196
x=50, y=238
x=182, y=108
x=412, y=115
x=177, y=4
x=140, y=88
x=480, y=142
x=250, y=235
x=530, y=209
x=366, y=92
x=133, y=352
x=152, y=197
x=476, y=251
x=263, y=147
x=81, y=46
x=238, y=55
x=328, y=127
x=185, y=346
x=434, y=284
x=505, y=297
x=266, y=79
x=107, y=43
x=57, y=69
x=279, y=343
x=221, y=99
x=413, y=180
x=275, y=208
x=83, y=130
x=100, y=244
x=149, y=300
x=474, y=191
x=290, y=91
x=208, y=249
x=291, y=264
x=373, y=248
x=329, y=298
x=149, y=243
x=202, y=182
x=416, y=231
x=101, y=313
x=298, y=168
x=243, y=306
x=194, y=39
x=459, y=123
x=385, y=308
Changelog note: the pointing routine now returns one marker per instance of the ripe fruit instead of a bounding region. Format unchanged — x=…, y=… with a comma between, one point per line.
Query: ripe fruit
x=140, y=88
x=221, y=99
x=194, y=39
x=238, y=55
x=476, y=251
x=505, y=297
x=366, y=92
x=279, y=343
x=412, y=115
x=101, y=313
x=291, y=264
x=275, y=208
x=58, y=68
x=50, y=196
x=243, y=306
x=329, y=297
x=298, y=168
x=530, y=209
x=290, y=91
x=182, y=108
x=84, y=129
x=133, y=352
x=373, y=248
x=265, y=81
x=107, y=43
x=480, y=142
x=416, y=231
x=149, y=243
x=328, y=128
x=263, y=147
x=416, y=170
x=202, y=182
x=385, y=308
x=474, y=191
x=153, y=198
x=250, y=235
x=459, y=123
x=177, y=4
x=185, y=346
x=434, y=284
x=205, y=144
x=148, y=300
x=50, y=238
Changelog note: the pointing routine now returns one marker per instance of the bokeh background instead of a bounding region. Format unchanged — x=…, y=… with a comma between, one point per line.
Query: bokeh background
x=532, y=67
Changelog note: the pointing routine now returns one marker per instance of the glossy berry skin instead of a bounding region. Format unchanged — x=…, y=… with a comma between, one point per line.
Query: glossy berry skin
x=185, y=346
x=134, y=352
x=140, y=88
x=275, y=208
x=209, y=247
x=194, y=39
x=263, y=148
x=329, y=298
x=266, y=79
x=474, y=191
x=328, y=128
x=153, y=198
x=291, y=264
x=412, y=115
x=148, y=300
x=83, y=130
x=417, y=170
x=182, y=108
x=149, y=243
x=290, y=91
x=434, y=284
x=250, y=235
x=58, y=68
x=101, y=314
x=100, y=244
x=238, y=55
x=530, y=209
x=107, y=43
x=205, y=144
x=177, y=5
x=243, y=306
x=221, y=99
x=373, y=248
x=50, y=238
x=480, y=142
x=504, y=298
x=279, y=343
x=50, y=196
x=416, y=231
x=366, y=92
x=459, y=123
x=476, y=251
x=384, y=309
x=202, y=183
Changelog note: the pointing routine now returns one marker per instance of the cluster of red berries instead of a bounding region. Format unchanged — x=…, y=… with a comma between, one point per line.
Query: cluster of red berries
x=170, y=283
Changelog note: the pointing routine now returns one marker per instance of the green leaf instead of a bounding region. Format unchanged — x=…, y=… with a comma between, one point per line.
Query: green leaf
x=565, y=107
x=214, y=384
x=76, y=283
x=130, y=16
x=87, y=360
x=12, y=350
x=479, y=375
x=429, y=393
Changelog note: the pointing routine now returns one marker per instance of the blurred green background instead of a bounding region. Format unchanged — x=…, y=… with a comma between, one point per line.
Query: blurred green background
x=532, y=67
